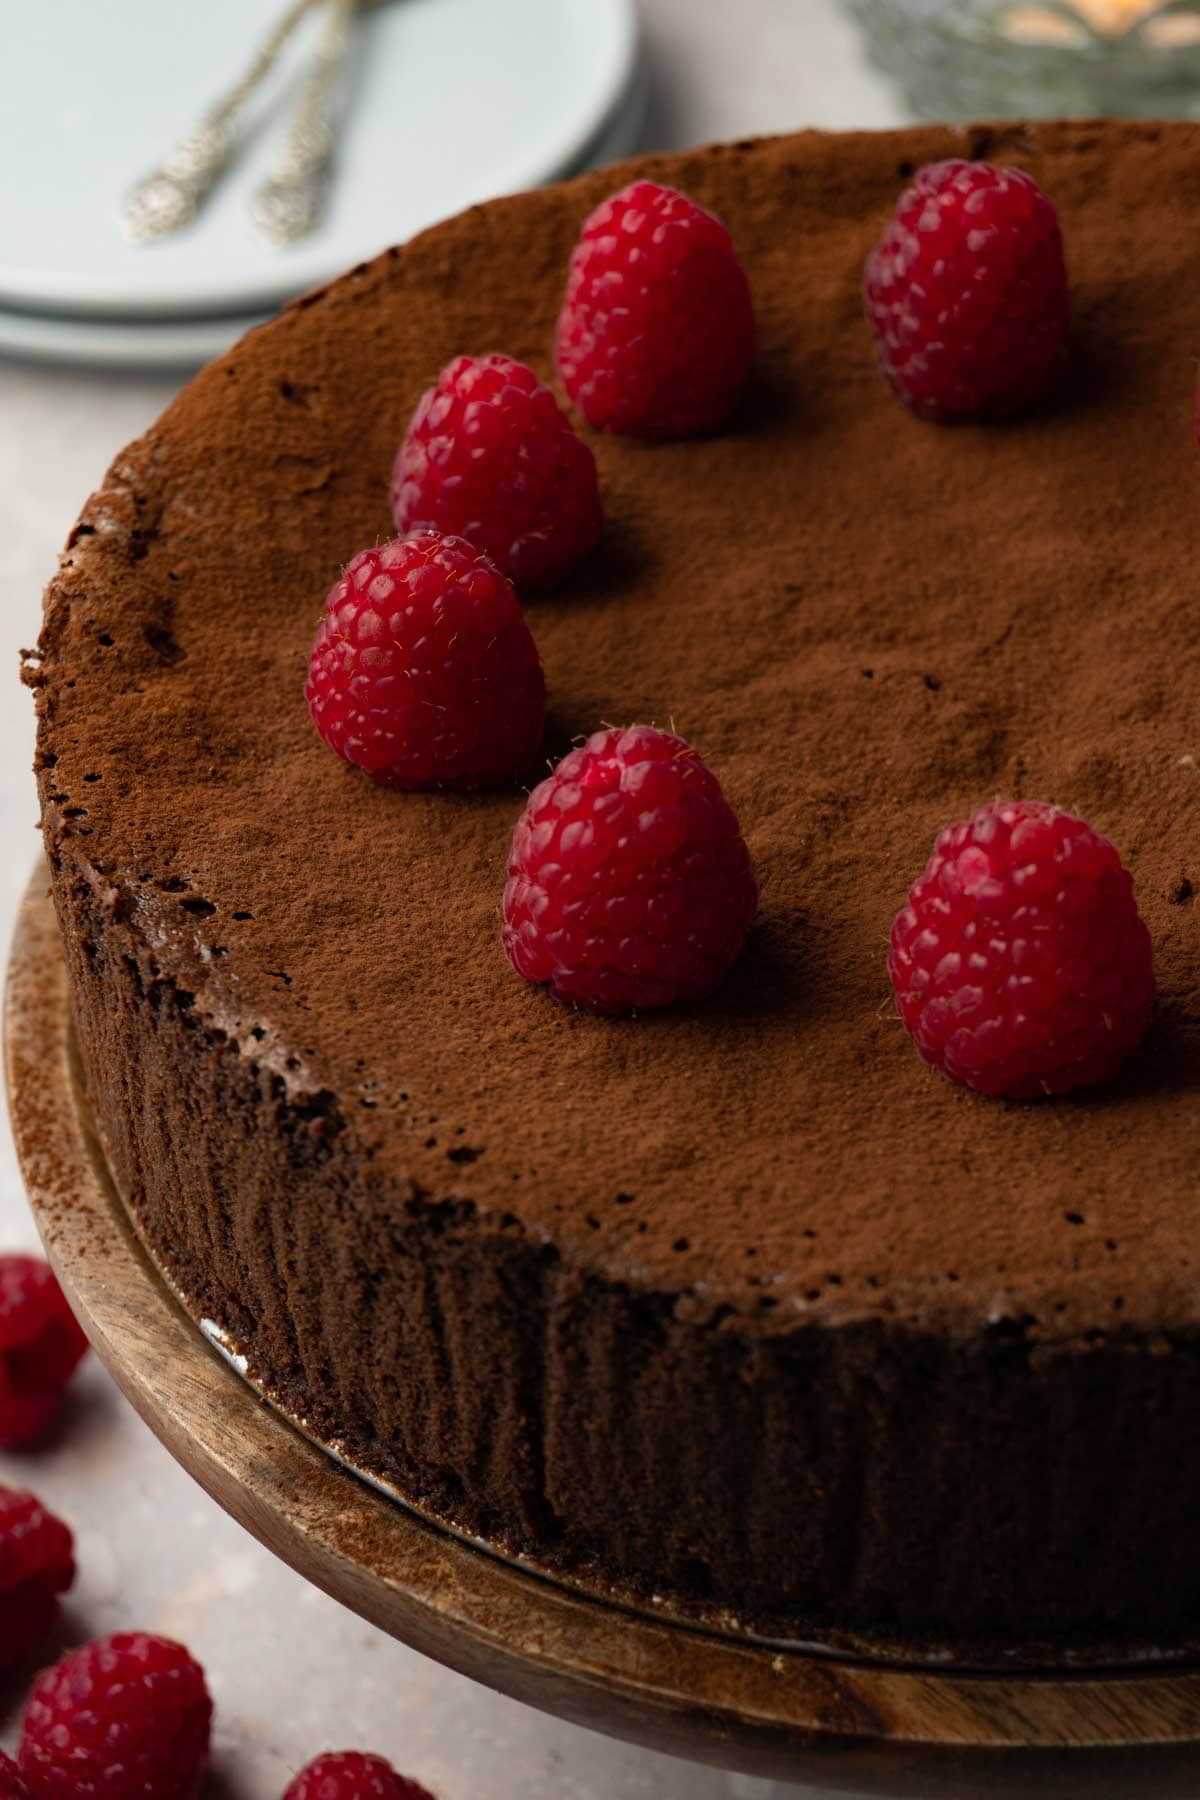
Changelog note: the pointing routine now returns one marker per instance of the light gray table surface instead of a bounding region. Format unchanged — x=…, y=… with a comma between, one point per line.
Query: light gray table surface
x=291, y=1671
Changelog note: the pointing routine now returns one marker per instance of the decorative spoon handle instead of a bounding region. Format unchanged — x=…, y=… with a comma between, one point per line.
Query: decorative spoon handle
x=290, y=203
x=169, y=196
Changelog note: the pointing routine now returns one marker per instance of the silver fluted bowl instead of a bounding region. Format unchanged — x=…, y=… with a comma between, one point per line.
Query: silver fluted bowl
x=971, y=59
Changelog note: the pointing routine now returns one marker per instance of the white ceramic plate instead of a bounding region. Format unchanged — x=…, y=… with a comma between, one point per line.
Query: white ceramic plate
x=120, y=343
x=184, y=343
x=451, y=102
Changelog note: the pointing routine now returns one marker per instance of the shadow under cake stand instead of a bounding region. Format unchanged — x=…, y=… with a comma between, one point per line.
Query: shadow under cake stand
x=795, y=1713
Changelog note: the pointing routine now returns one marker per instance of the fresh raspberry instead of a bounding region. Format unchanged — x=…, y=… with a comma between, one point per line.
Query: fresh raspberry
x=424, y=672
x=351, y=1775
x=12, y=1787
x=37, y=1564
x=656, y=333
x=1021, y=964
x=124, y=1718
x=629, y=885
x=40, y=1345
x=491, y=457
x=967, y=293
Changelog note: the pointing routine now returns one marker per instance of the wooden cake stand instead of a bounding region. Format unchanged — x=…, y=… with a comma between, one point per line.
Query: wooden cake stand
x=824, y=1719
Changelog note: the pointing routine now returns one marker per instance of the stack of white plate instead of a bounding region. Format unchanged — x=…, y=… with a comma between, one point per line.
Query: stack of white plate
x=448, y=102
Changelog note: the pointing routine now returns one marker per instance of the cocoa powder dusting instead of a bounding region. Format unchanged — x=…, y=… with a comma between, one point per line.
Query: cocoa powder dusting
x=868, y=627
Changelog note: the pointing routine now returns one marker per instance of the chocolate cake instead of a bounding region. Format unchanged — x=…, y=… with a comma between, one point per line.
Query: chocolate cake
x=738, y=1306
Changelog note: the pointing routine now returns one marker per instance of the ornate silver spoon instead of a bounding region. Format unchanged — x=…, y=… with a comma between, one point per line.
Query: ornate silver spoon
x=169, y=196
x=290, y=202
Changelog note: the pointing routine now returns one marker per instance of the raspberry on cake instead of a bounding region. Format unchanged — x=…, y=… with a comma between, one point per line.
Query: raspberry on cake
x=37, y=1564
x=352, y=1775
x=12, y=1784
x=967, y=293
x=424, y=673
x=656, y=333
x=124, y=1718
x=629, y=883
x=491, y=457
x=1020, y=962
x=40, y=1346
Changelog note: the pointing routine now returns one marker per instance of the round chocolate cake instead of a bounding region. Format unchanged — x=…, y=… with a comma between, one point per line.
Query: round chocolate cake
x=738, y=1305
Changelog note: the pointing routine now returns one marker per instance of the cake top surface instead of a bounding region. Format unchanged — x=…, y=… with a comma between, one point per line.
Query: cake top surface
x=866, y=625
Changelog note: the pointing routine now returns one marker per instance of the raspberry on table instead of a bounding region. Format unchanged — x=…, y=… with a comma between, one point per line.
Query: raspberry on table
x=490, y=456
x=40, y=1346
x=12, y=1785
x=657, y=333
x=424, y=673
x=629, y=884
x=352, y=1775
x=37, y=1564
x=967, y=293
x=1020, y=962
x=124, y=1718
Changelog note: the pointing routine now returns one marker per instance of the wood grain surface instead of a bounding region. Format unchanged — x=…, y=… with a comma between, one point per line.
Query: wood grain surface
x=859, y=1727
